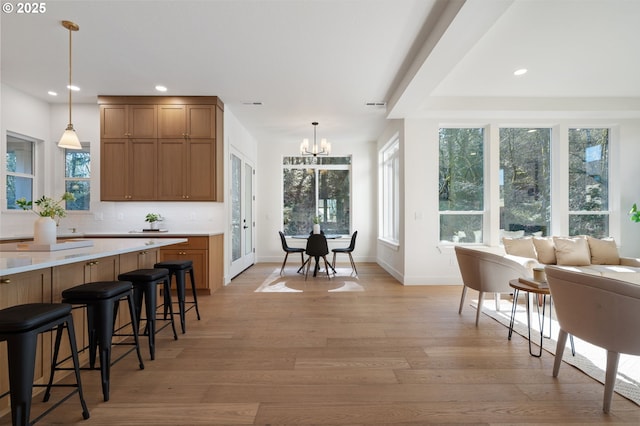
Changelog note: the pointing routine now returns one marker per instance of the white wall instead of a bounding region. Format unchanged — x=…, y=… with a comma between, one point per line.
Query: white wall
x=426, y=261
x=363, y=203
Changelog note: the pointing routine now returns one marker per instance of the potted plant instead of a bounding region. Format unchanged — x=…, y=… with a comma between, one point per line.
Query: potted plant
x=153, y=219
x=50, y=212
x=634, y=213
x=316, y=224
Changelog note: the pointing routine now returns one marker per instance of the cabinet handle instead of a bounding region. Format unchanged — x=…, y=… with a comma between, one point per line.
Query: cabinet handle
x=92, y=263
x=5, y=281
x=144, y=252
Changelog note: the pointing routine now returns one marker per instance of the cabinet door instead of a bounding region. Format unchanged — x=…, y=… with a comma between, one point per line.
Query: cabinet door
x=142, y=121
x=114, y=181
x=172, y=121
x=199, y=259
x=113, y=121
x=172, y=169
x=142, y=169
x=201, y=121
x=27, y=287
x=201, y=170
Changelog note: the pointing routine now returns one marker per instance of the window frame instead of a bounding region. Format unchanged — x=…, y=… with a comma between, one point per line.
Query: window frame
x=389, y=194
x=483, y=189
x=33, y=176
x=85, y=147
x=315, y=163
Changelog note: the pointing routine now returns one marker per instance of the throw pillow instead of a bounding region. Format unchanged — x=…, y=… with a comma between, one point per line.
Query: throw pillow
x=520, y=247
x=545, y=249
x=511, y=234
x=603, y=251
x=572, y=251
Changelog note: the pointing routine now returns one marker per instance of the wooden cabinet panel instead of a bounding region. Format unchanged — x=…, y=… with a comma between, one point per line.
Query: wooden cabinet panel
x=171, y=165
x=142, y=169
x=199, y=259
x=187, y=169
x=128, y=171
x=201, y=121
x=200, y=170
x=128, y=121
x=161, y=148
x=172, y=121
x=27, y=287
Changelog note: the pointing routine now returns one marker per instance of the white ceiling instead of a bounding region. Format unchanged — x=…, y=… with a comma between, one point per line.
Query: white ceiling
x=322, y=60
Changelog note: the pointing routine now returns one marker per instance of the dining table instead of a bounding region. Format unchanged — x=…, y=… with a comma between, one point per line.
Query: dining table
x=316, y=267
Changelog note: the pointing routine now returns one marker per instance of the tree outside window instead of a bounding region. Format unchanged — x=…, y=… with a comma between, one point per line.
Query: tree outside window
x=461, y=184
x=316, y=187
x=589, y=182
x=525, y=191
x=77, y=177
x=20, y=178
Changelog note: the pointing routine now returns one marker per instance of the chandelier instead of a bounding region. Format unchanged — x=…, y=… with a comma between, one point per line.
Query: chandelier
x=324, y=149
x=69, y=138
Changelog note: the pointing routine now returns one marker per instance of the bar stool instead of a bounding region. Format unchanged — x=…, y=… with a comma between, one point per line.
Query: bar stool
x=179, y=268
x=145, y=285
x=20, y=326
x=102, y=299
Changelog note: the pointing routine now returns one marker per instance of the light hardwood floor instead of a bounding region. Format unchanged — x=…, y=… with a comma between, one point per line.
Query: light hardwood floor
x=273, y=350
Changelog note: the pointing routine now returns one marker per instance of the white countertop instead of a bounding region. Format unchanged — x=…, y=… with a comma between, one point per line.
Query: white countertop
x=23, y=261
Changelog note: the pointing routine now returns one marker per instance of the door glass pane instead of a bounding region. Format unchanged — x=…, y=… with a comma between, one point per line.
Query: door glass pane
x=248, y=208
x=236, y=208
x=525, y=180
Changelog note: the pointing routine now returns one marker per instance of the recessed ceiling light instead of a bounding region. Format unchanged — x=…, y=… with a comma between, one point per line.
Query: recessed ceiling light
x=161, y=88
x=52, y=93
x=74, y=88
x=377, y=104
x=520, y=71
x=254, y=103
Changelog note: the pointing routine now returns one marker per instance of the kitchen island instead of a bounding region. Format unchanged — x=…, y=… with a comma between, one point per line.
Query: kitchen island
x=40, y=277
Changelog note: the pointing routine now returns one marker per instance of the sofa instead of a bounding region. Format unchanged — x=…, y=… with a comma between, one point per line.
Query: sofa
x=489, y=269
x=584, y=254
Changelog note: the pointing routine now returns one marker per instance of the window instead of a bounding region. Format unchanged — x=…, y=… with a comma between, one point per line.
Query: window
x=20, y=169
x=589, y=182
x=461, y=184
x=316, y=186
x=525, y=180
x=389, y=160
x=77, y=174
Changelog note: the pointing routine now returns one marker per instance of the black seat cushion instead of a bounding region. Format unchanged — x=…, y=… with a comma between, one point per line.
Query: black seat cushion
x=174, y=264
x=22, y=318
x=143, y=275
x=96, y=291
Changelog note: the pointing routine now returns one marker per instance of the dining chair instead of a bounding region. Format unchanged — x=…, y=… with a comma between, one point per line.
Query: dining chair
x=317, y=247
x=347, y=250
x=288, y=250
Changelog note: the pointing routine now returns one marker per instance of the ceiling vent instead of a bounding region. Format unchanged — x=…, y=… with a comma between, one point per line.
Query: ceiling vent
x=376, y=104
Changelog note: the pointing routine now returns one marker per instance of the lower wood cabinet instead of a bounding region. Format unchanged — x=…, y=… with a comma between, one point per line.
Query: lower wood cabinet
x=206, y=254
x=17, y=289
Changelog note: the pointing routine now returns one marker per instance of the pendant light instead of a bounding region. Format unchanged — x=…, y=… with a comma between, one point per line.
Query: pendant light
x=69, y=138
x=324, y=149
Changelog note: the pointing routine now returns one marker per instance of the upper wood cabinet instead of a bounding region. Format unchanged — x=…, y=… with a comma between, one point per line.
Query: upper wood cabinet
x=128, y=121
x=161, y=148
x=187, y=121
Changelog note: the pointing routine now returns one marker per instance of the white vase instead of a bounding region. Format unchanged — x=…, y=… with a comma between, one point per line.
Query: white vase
x=153, y=225
x=316, y=228
x=44, y=231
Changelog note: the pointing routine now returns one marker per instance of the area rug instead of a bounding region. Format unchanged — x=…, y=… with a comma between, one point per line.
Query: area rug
x=590, y=359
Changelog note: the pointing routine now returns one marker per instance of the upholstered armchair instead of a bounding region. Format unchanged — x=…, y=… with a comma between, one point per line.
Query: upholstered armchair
x=602, y=311
x=488, y=272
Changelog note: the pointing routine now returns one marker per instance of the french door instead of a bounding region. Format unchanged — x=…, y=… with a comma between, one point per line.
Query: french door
x=242, y=214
